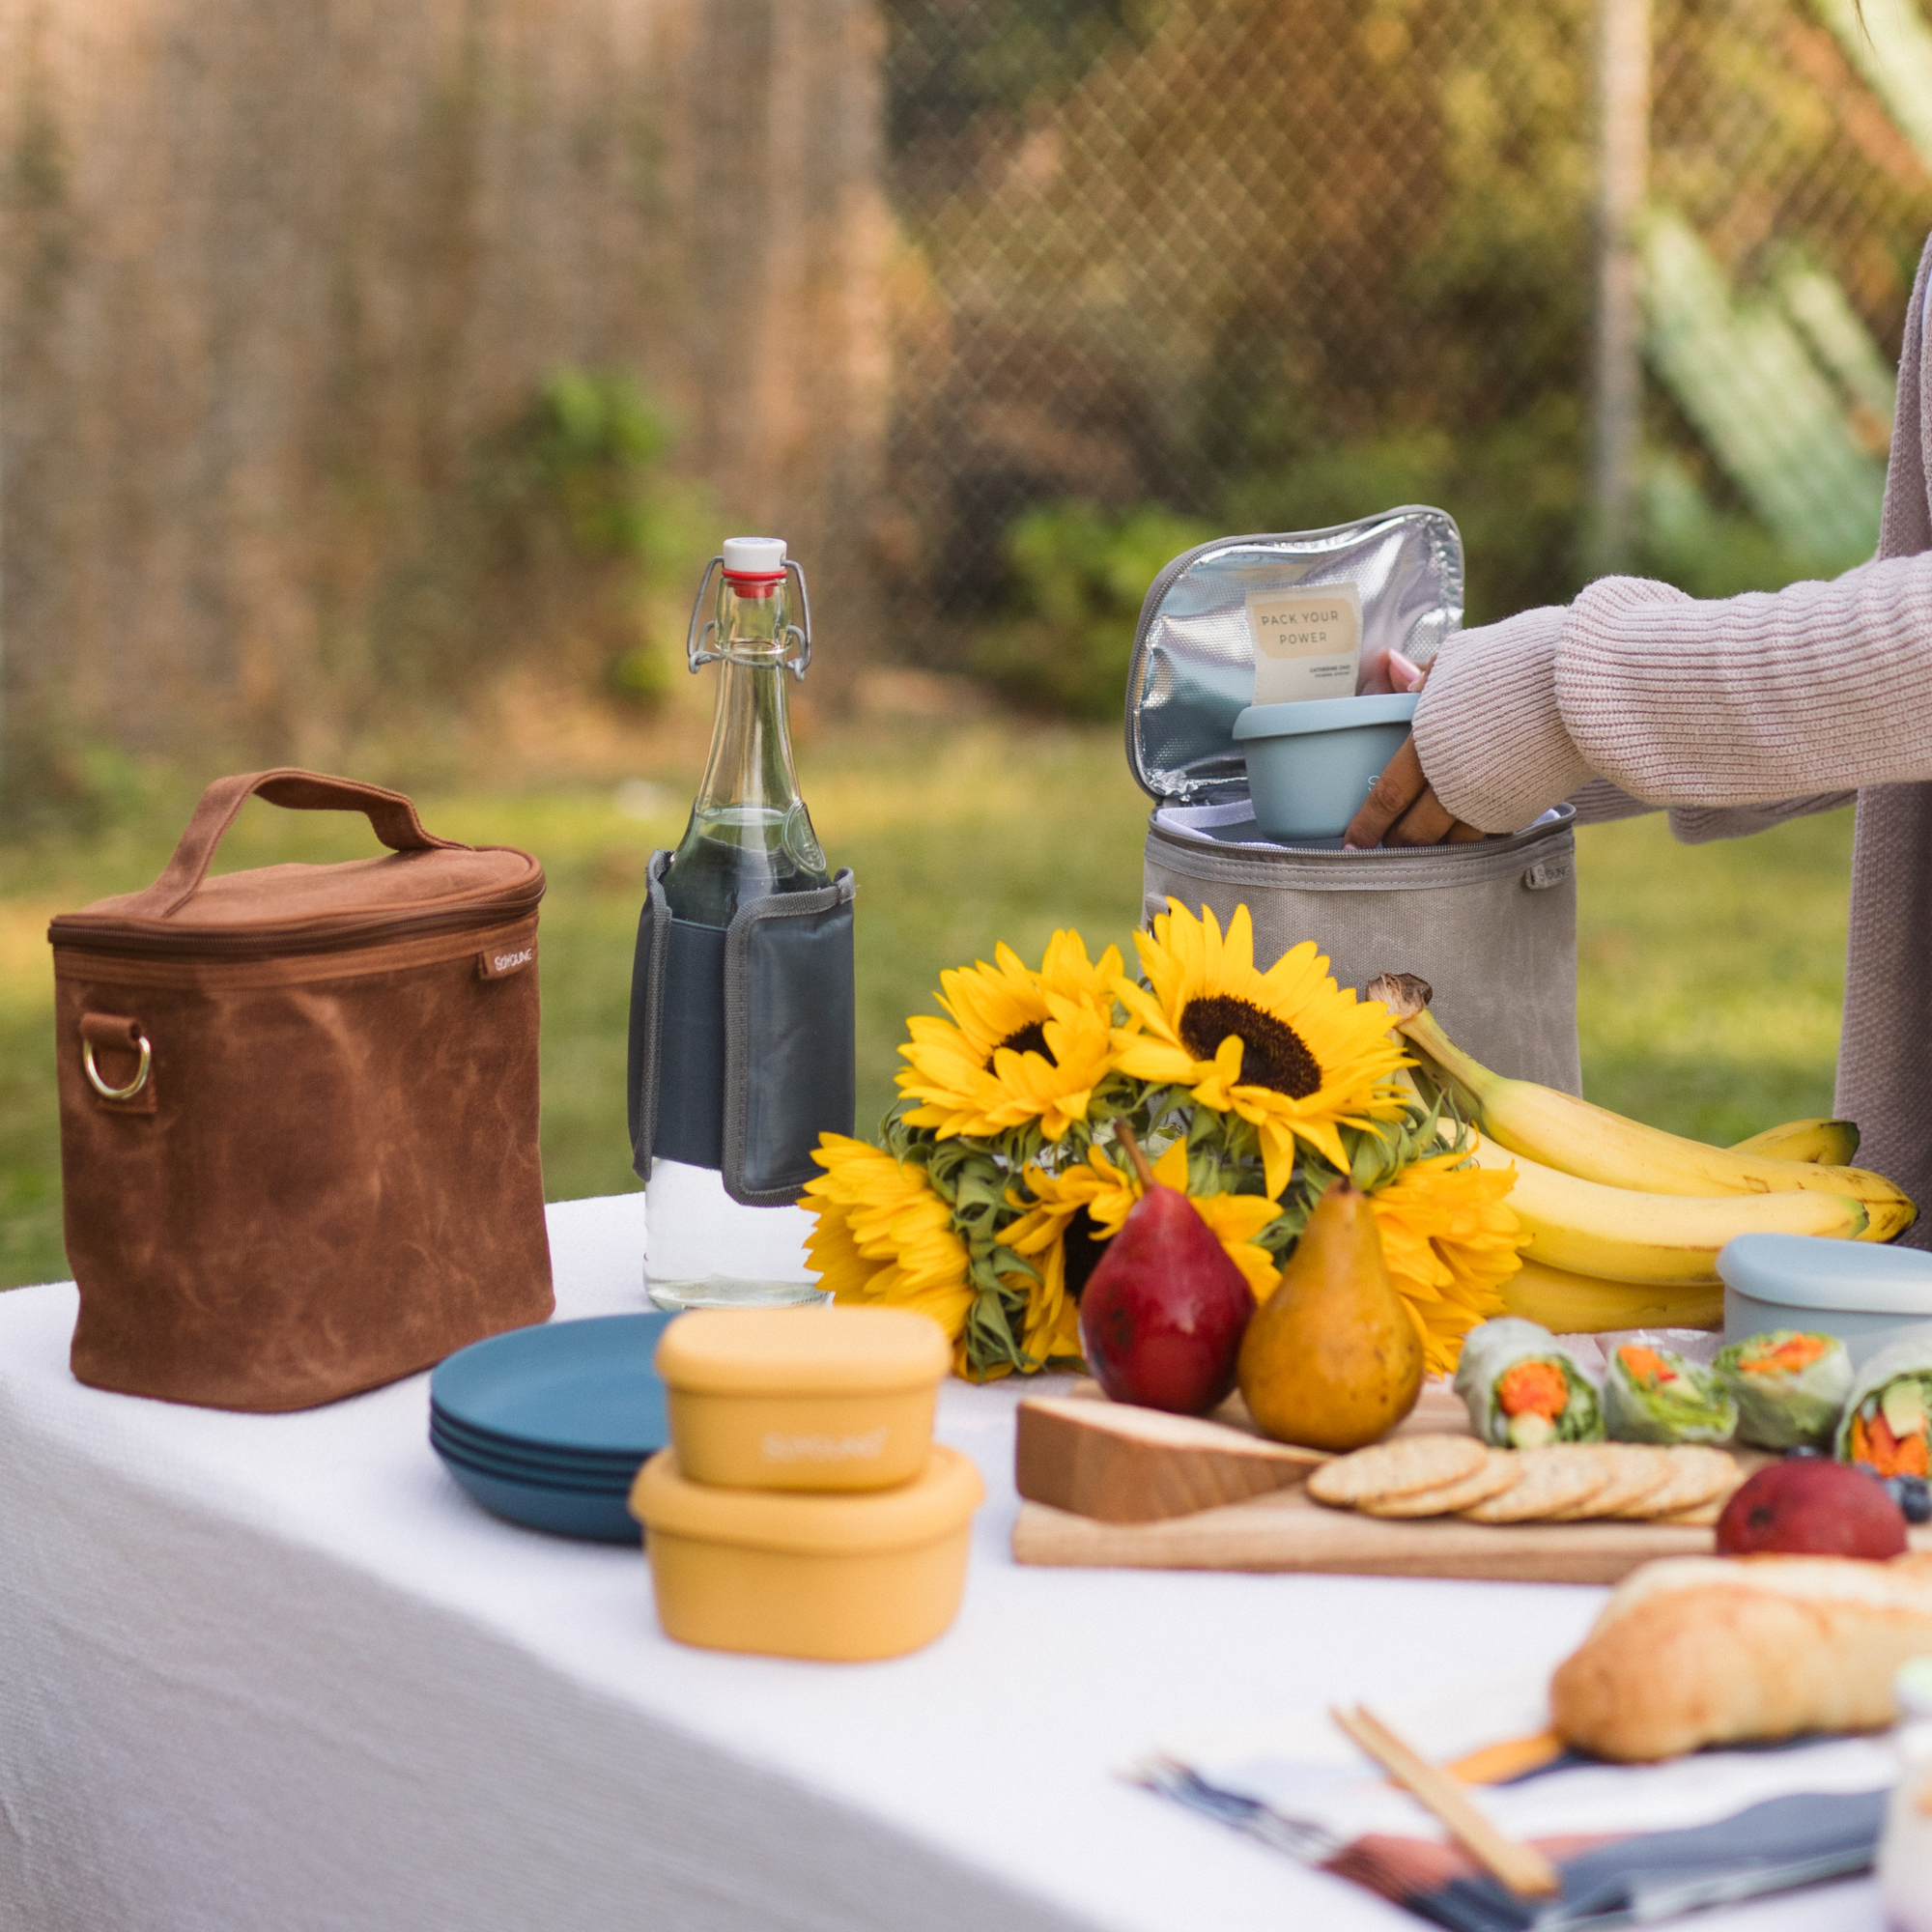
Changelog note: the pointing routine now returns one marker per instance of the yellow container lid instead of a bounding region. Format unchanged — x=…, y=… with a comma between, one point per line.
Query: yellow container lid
x=802, y=1351
x=822, y=1524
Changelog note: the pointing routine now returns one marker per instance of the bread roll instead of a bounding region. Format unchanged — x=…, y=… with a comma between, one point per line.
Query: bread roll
x=1706, y=1650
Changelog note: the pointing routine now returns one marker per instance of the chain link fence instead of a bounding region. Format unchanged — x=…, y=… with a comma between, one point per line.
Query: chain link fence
x=1171, y=270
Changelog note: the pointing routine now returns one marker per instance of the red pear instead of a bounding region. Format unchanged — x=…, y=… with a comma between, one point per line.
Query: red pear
x=1163, y=1313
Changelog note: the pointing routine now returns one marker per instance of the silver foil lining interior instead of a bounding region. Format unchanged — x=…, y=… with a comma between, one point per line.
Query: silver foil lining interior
x=1192, y=672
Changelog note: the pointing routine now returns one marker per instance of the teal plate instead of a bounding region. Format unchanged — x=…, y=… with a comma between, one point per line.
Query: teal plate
x=585, y=1387
x=590, y=1515
x=615, y=1482
x=488, y=1449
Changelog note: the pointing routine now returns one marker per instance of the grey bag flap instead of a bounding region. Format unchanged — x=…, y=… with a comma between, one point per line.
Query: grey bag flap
x=789, y=1012
x=1193, y=666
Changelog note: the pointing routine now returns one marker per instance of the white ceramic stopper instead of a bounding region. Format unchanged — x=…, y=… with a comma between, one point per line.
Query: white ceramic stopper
x=755, y=556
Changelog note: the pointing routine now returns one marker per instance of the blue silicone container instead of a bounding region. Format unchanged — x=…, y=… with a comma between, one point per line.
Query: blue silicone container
x=1864, y=1294
x=1310, y=765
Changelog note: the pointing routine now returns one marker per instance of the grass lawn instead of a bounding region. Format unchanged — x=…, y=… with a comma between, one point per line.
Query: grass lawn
x=1710, y=978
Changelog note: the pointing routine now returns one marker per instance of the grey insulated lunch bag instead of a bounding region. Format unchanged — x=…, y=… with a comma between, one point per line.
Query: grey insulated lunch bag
x=1491, y=926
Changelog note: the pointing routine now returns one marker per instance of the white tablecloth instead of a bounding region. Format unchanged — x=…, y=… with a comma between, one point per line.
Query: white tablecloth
x=273, y=1673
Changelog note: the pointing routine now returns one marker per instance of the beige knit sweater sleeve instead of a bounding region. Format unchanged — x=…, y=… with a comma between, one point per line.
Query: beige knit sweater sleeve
x=1779, y=703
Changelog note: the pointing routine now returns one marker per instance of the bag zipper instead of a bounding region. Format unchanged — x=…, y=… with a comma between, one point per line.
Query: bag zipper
x=268, y=942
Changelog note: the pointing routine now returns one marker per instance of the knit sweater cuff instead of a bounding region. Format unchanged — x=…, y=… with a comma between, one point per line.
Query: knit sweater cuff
x=1488, y=728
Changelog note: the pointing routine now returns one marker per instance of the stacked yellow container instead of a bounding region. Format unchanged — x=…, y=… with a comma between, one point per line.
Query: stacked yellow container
x=803, y=1508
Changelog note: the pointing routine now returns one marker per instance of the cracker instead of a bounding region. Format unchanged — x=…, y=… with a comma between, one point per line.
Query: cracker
x=1700, y=1474
x=1701, y=1516
x=1554, y=1478
x=1636, y=1471
x=1398, y=1468
x=1497, y=1473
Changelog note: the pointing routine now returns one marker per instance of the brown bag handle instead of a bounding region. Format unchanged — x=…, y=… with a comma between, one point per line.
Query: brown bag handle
x=391, y=816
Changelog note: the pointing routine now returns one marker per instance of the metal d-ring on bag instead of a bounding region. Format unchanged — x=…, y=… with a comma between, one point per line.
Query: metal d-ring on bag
x=110, y=1033
x=1491, y=926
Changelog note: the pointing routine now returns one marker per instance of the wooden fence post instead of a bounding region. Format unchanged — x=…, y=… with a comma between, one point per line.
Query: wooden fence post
x=1622, y=106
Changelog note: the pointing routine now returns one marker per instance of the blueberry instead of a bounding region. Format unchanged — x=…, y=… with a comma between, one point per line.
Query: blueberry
x=1914, y=1495
x=1804, y=1452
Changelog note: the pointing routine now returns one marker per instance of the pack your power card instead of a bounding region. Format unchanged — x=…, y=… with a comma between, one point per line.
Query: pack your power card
x=1308, y=642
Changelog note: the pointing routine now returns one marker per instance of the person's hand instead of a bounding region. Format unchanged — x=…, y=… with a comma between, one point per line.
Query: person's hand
x=1386, y=672
x=1402, y=808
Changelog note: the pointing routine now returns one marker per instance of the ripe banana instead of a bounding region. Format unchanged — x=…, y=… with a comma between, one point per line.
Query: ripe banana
x=1667, y=1240
x=1584, y=1304
x=1830, y=1143
x=1570, y=1135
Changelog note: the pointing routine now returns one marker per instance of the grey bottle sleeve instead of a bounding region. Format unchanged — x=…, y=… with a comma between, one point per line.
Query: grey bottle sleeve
x=740, y=1041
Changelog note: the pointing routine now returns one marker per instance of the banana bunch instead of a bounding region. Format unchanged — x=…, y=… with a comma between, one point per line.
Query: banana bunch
x=1624, y=1221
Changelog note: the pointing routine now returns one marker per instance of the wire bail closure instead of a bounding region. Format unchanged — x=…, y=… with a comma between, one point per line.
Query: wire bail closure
x=700, y=647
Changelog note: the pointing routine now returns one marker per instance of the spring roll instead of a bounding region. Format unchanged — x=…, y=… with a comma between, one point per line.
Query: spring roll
x=1888, y=1418
x=1789, y=1386
x=1656, y=1395
x=1523, y=1388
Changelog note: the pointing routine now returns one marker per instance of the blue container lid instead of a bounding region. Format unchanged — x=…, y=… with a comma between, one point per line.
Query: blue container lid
x=1815, y=1271
x=1325, y=714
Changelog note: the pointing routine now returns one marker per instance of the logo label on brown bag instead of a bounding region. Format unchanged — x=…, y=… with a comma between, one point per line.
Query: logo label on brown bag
x=501, y=964
x=1308, y=642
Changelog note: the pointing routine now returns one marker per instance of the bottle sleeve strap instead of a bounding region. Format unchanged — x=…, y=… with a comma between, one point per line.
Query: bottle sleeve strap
x=788, y=1038
x=647, y=990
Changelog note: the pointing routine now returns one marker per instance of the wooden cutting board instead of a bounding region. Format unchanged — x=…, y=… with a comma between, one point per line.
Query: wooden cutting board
x=1284, y=1530
x=1121, y=1463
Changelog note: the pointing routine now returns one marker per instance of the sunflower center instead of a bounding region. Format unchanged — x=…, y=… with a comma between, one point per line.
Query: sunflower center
x=1083, y=1248
x=1272, y=1053
x=1030, y=1039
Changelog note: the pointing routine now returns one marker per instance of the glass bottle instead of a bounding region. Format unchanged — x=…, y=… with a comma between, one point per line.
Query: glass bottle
x=748, y=834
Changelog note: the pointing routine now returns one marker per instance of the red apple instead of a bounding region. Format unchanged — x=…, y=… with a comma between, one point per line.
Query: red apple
x=1811, y=1508
x=1162, y=1315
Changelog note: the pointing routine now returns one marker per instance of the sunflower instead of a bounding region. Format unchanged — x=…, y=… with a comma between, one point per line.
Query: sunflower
x=1450, y=1240
x=1285, y=1050
x=1052, y=1319
x=883, y=1234
x=1020, y=1045
x=1071, y=1215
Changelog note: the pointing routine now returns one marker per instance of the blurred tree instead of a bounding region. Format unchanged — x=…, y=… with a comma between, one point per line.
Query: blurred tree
x=1078, y=577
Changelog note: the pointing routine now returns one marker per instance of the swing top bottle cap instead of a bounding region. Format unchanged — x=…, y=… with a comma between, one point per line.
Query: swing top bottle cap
x=755, y=556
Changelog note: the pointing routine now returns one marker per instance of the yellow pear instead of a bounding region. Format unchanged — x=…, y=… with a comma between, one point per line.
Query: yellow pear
x=1332, y=1359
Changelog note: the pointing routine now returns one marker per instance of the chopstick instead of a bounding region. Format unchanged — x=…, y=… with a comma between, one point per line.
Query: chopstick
x=1523, y=1868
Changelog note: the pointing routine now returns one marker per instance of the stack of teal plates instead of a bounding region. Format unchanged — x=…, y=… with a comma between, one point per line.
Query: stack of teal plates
x=546, y=1425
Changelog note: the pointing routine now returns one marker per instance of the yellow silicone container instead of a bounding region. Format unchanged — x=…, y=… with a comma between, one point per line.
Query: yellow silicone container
x=845, y=1579
x=802, y=1398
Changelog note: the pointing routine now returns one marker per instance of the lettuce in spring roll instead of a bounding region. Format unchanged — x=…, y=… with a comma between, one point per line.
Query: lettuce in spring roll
x=1789, y=1386
x=1655, y=1395
x=1888, y=1419
x=1523, y=1388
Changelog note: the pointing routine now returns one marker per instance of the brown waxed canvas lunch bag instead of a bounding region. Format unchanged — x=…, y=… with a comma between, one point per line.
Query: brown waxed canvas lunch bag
x=299, y=1110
